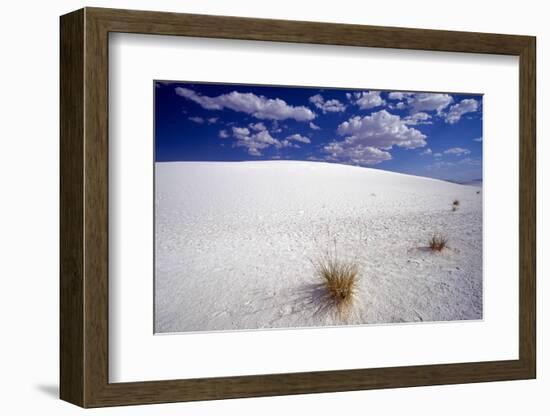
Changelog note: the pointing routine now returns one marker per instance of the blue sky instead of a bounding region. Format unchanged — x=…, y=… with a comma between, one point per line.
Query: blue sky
x=437, y=135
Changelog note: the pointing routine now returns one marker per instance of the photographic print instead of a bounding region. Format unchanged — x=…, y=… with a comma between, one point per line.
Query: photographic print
x=298, y=207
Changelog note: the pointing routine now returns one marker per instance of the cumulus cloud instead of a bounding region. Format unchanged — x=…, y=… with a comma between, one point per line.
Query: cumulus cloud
x=249, y=103
x=327, y=106
x=366, y=99
x=382, y=130
x=367, y=139
x=240, y=132
x=468, y=105
x=478, y=139
x=299, y=138
x=198, y=120
x=314, y=126
x=440, y=164
x=466, y=161
x=256, y=137
x=213, y=120
x=287, y=143
x=254, y=143
x=429, y=102
x=356, y=154
x=438, y=154
x=223, y=134
x=469, y=161
x=275, y=128
x=396, y=95
x=418, y=118
x=257, y=126
x=458, y=151
x=426, y=152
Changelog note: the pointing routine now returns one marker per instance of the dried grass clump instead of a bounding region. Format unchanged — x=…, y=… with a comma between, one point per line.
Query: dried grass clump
x=341, y=280
x=438, y=242
x=455, y=205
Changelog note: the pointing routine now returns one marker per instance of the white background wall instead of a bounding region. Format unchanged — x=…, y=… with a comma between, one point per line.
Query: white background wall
x=29, y=208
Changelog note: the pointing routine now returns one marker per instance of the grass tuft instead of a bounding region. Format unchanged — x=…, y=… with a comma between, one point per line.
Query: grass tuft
x=341, y=279
x=438, y=242
x=456, y=203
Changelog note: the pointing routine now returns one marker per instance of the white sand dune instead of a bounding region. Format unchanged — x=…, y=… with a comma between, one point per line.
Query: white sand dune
x=235, y=243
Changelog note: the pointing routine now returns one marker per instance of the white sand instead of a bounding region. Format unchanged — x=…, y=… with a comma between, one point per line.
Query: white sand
x=235, y=240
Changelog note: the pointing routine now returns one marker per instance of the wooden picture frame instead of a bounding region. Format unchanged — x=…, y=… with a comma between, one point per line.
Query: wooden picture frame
x=84, y=207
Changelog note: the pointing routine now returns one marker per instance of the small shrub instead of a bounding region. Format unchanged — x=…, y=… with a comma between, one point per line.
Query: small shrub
x=478, y=192
x=456, y=203
x=340, y=279
x=455, y=208
x=438, y=242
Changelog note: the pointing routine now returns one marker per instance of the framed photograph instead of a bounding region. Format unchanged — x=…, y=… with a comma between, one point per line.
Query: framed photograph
x=256, y=207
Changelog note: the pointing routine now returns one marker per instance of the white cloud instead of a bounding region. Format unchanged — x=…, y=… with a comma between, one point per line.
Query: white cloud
x=255, y=142
x=287, y=143
x=223, y=134
x=240, y=132
x=368, y=139
x=275, y=128
x=396, y=95
x=458, y=151
x=212, y=120
x=382, y=130
x=418, y=118
x=299, y=138
x=468, y=105
x=429, y=102
x=198, y=120
x=466, y=161
x=252, y=151
x=428, y=151
x=328, y=106
x=438, y=154
x=257, y=106
x=440, y=164
x=257, y=126
x=314, y=126
x=355, y=154
x=366, y=99
x=469, y=161
x=255, y=138
x=479, y=139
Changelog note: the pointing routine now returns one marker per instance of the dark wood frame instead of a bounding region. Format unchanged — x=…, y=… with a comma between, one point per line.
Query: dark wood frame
x=84, y=207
